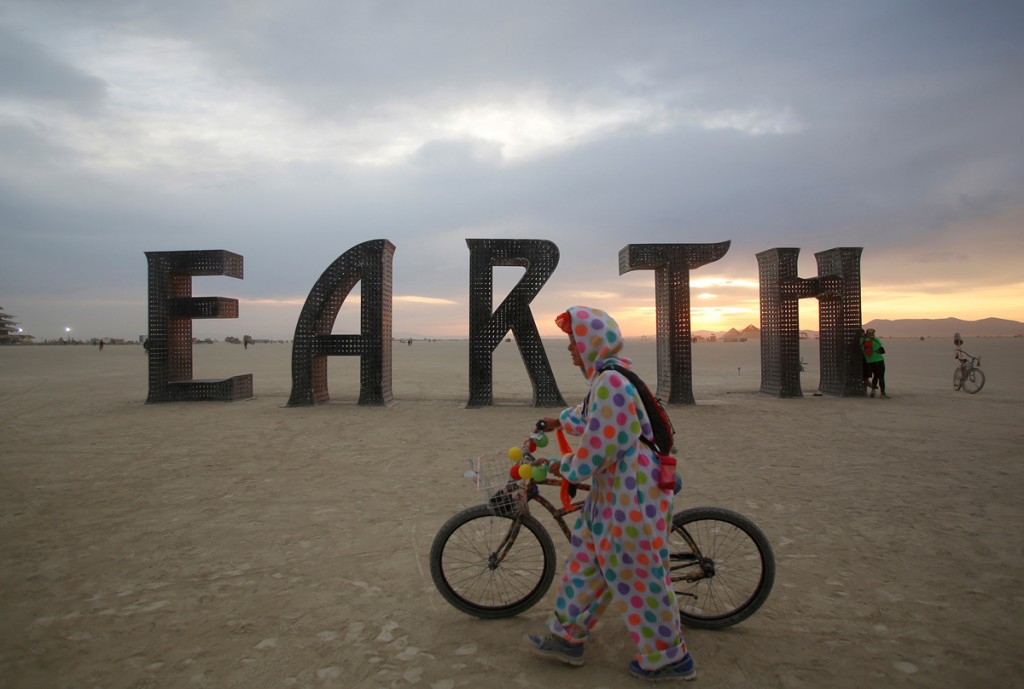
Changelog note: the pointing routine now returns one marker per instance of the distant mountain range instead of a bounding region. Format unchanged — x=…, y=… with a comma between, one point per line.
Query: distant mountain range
x=906, y=327
x=946, y=327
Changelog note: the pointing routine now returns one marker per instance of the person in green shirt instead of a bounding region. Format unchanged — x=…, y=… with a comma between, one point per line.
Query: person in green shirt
x=873, y=352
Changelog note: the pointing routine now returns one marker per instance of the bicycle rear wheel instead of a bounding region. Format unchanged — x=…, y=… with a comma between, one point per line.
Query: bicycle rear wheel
x=958, y=376
x=721, y=565
x=468, y=568
x=973, y=381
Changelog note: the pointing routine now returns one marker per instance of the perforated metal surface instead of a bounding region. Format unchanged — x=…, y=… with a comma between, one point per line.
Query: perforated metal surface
x=370, y=264
x=672, y=264
x=839, y=314
x=837, y=287
x=171, y=311
x=487, y=329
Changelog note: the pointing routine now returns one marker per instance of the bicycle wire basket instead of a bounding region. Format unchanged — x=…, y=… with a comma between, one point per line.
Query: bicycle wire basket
x=505, y=496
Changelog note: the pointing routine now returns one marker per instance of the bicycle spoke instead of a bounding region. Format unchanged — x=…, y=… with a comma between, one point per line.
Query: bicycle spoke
x=717, y=568
x=490, y=563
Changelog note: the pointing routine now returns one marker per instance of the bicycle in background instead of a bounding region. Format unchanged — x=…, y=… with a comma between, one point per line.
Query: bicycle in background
x=968, y=376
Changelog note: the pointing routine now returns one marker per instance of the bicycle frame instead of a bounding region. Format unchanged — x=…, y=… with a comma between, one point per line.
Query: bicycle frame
x=677, y=561
x=557, y=513
x=967, y=361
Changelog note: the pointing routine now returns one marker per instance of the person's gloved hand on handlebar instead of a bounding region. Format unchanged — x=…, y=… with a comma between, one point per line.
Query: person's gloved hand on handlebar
x=551, y=423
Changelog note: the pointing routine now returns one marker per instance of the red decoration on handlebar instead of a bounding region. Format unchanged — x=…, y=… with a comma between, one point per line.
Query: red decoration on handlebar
x=565, y=448
x=563, y=444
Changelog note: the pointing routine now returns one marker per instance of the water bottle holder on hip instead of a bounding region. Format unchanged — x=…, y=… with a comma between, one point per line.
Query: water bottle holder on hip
x=666, y=472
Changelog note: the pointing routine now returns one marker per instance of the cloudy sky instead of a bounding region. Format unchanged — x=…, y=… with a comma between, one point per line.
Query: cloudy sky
x=288, y=132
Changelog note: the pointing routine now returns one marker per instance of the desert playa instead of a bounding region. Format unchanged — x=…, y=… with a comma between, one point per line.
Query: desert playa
x=250, y=545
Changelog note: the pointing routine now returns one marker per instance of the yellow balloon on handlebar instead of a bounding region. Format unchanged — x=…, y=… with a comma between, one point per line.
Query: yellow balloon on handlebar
x=515, y=454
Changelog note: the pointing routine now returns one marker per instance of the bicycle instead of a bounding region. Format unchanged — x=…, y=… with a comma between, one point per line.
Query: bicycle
x=968, y=376
x=497, y=560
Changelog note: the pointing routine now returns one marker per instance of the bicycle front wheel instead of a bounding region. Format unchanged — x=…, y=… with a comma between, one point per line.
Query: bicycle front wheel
x=722, y=567
x=492, y=566
x=973, y=381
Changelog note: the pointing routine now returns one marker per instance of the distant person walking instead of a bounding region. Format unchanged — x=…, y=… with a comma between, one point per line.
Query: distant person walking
x=873, y=352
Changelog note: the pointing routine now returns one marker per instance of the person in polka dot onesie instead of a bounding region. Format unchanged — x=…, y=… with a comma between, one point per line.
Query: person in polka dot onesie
x=620, y=541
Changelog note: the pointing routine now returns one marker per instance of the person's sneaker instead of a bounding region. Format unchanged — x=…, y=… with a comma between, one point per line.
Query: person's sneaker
x=682, y=670
x=872, y=395
x=556, y=647
x=884, y=396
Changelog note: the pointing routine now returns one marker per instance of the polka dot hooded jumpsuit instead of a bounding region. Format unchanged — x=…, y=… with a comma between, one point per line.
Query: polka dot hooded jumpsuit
x=620, y=542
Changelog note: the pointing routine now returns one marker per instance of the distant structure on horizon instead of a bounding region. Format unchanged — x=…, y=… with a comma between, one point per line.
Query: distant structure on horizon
x=10, y=333
x=751, y=332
